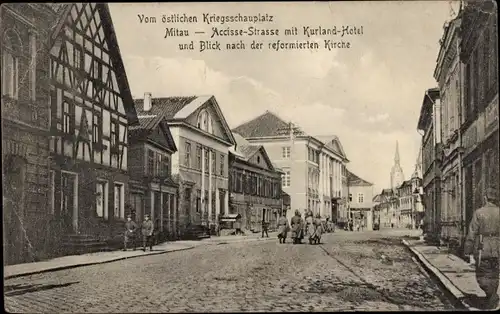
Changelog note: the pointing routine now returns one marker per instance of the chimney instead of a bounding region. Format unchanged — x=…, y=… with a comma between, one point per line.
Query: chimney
x=147, y=102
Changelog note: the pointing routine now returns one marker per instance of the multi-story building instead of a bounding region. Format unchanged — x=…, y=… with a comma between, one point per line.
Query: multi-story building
x=430, y=124
x=313, y=167
x=26, y=28
x=448, y=73
x=255, y=185
x=200, y=166
x=479, y=124
x=152, y=190
x=91, y=109
x=386, y=206
x=410, y=209
x=360, y=199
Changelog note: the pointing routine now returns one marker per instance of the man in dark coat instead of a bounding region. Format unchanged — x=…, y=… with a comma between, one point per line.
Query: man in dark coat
x=282, y=228
x=297, y=227
x=130, y=233
x=147, y=233
x=483, y=244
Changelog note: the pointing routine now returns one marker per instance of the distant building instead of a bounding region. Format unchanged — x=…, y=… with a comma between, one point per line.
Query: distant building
x=313, y=167
x=152, y=190
x=255, y=185
x=430, y=123
x=200, y=165
x=386, y=204
x=397, y=175
x=361, y=199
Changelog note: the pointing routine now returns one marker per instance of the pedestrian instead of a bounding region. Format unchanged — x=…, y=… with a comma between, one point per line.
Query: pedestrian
x=296, y=224
x=482, y=245
x=147, y=233
x=237, y=227
x=130, y=233
x=282, y=228
x=265, y=227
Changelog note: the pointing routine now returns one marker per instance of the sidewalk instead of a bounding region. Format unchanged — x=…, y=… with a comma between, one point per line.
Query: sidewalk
x=454, y=273
x=72, y=261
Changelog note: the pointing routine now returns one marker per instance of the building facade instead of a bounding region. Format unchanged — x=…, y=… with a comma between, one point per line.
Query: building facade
x=448, y=74
x=152, y=189
x=479, y=124
x=200, y=166
x=430, y=124
x=386, y=204
x=26, y=28
x=360, y=199
x=91, y=110
x=313, y=167
x=255, y=185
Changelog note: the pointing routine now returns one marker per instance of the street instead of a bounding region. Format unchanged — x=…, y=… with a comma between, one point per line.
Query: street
x=348, y=271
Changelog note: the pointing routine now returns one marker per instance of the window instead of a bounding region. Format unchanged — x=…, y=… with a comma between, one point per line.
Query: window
x=97, y=69
x=52, y=191
x=151, y=162
x=222, y=164
x=77, y=57
x=158, y=164
x=207, y=164
x=114, y=134
x=96, y=130
x=165, y=166
x=66, y=118
x=119, y=211
x=198, y=157
x=286, y=179
x=187, y=160
x=198, y=201
x=286, y=152
x=12, y=50
x=213, y=162
x=101, y=199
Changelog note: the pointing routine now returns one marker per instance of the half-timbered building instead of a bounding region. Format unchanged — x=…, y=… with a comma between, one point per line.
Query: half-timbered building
x=91, y=109
x=25, y=28
x=255, y=185
x=200, y=166
x=152, y=190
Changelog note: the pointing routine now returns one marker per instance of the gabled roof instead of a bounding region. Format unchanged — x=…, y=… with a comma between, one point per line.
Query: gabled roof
x=147, y=125
x=265, y=125
x=63, y=10
x=353, y=179
x=246, y=150
x=332, y=142
x=179, y=108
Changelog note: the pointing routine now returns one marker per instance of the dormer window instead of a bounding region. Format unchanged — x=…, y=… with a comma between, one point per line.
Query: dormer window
x=205, y=122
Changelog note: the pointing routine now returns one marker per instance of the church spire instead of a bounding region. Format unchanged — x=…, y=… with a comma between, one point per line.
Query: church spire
x=396, y=156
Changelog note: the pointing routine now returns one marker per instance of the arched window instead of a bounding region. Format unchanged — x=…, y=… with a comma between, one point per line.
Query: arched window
x=12, y=50
x=205, y=122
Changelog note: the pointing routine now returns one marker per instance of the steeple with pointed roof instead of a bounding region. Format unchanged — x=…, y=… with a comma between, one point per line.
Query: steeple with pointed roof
x=397, y=175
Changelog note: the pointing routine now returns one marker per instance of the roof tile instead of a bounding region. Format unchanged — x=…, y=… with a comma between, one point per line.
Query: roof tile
x=165, y=106
x=267, y=124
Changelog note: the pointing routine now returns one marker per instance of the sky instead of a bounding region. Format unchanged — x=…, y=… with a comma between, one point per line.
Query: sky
x=368, y=95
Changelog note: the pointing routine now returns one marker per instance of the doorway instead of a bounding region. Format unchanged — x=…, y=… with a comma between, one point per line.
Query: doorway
x=13, y=202
x=69, y=201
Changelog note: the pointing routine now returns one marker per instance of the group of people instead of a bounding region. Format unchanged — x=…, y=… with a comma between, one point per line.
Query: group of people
x=133, y=233
x=357, y=225
x=300, y=227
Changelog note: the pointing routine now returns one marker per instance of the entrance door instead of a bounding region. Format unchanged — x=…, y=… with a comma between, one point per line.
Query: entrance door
x=68, y=202
x=13, y=202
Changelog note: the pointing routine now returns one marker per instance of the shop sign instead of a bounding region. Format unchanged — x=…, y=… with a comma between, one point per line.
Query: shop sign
x=470, y=136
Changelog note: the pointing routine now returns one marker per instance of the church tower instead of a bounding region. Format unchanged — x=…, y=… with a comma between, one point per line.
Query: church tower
x=397, y=176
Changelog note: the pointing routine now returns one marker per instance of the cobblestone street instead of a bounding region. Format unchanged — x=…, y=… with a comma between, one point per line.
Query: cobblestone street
x=349, y=271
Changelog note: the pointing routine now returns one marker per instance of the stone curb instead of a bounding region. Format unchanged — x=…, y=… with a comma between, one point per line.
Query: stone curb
x=114, y=259
x=457, y=294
